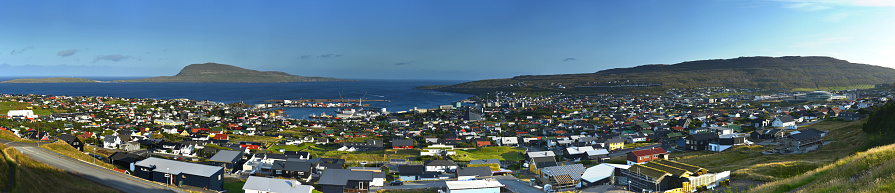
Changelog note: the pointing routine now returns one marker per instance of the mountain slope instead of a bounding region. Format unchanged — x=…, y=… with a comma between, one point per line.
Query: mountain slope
x=788, y=72
x=222, y=73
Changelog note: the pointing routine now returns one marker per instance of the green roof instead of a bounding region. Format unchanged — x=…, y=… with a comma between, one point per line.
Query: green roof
x=647, y=132
x=653, y=173
x=675, y=134
x=688, y=167
x=669, y=169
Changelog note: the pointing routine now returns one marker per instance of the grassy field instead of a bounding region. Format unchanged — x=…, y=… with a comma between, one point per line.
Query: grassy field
x=63, y=148
x=861, y=86
x=747, y=162
x=31, y=176
x=634, y=145
x=869, y=171
x=234, y=185
x=262, y=139
x=499, y=152
x=330, y=152
x=8, y=105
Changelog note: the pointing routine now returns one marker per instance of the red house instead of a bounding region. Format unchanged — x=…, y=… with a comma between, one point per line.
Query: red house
x=483, y=143
x=646, y=155
x=402, y=144
x=221, y=137
x=250, y=145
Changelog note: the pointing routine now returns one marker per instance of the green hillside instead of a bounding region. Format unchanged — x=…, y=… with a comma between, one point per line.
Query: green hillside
x=869, y=171
x=222, y=73
x=790, y=72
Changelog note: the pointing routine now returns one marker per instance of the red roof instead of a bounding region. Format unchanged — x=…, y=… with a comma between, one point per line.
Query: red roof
x=482, y=143
x=221, y=137
x=647, y=152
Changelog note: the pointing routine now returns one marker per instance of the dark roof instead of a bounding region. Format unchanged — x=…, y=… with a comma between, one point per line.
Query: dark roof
x=410, y=170
x=543, y=159
x=786, y=119
x=226, y=156
x=402, y=142
x=125, y=157
x=805, y=135
x=68, y=138
x=331, y=163
x=474, y=171
x=291, y=166
x=340, y=177
x=703, y=136
x=440, y=163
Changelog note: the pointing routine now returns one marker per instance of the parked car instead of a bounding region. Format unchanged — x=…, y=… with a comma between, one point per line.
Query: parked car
x=396, y=183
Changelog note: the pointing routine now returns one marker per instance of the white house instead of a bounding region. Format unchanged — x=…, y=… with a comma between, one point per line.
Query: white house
x=509, y=141
x=441, y=166
x=636, y=138
x=784, y=122
x=476, y=186
x=21, y=114
x=111, y=141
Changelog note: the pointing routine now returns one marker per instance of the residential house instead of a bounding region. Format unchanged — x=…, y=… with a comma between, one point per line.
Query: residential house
x=486, y=161
x=378, y=174
x=801, y=142
x=257, y=184
x=612, y=143
x=125, y=159
x=577, y=152
x=727, y=141
x=411, y=172
x=600, y=155
x=345, y=180
x=562, y=178
x=402, y=144
x=664, y=175
x=509, y=141
x=469, y=173
x=538, y=163
x=370, y=145
x=292, y=168
x=635, y=138
x=130, y=146
x=226, y=159
x=700, y=141
x=440, y=166
x=784, y=122
x=646, y=155
x=111, y=141
x=73, y=141
x=180, y=173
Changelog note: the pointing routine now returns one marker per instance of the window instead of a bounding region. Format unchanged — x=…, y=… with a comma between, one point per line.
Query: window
x=279, y=172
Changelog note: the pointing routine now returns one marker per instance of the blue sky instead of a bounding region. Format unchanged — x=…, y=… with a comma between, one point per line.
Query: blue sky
x=411, y=39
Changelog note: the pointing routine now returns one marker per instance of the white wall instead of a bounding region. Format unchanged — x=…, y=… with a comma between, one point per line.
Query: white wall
x=484, y=190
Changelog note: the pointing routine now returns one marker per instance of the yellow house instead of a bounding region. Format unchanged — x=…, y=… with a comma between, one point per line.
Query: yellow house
x=615, y=143
x=541, y=162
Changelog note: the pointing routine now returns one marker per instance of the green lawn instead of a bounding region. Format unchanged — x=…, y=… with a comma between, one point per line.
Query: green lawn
x=499, y=152
x=7, y=105
x=234, y=186
x=330, y=152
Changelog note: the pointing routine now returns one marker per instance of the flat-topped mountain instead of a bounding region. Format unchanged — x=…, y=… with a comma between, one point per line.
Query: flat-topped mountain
x=222, y=73
x=790, y=72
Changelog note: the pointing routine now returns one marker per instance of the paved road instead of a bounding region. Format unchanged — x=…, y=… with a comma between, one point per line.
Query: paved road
x=126, y=183
x=414, y=185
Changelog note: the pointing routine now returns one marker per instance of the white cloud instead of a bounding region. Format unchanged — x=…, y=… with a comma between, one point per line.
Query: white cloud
x=817, y=5
x=807, y=6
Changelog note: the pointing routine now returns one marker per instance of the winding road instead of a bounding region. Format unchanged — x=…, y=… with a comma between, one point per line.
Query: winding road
x=116, y=180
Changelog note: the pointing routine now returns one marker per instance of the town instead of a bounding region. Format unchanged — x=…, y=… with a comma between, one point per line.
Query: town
x=499, y=142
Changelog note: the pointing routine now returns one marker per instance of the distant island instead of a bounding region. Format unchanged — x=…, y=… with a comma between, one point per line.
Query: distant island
x=786, y=73
x=202, y=73
x=222, y=73
x=51, y=80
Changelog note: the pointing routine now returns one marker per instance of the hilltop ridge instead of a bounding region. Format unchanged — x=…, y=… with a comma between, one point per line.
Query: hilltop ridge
x=788, y=72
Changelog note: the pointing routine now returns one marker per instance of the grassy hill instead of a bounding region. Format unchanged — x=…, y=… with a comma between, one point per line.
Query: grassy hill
x=51, y=80
x=222, y=73
x=33, y=176
x=869, y=171
x=790, y=72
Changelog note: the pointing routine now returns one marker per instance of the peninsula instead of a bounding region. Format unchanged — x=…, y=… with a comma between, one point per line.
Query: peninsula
x=51, y=80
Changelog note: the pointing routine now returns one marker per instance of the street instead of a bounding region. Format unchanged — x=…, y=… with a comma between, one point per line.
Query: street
x=123, y=182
